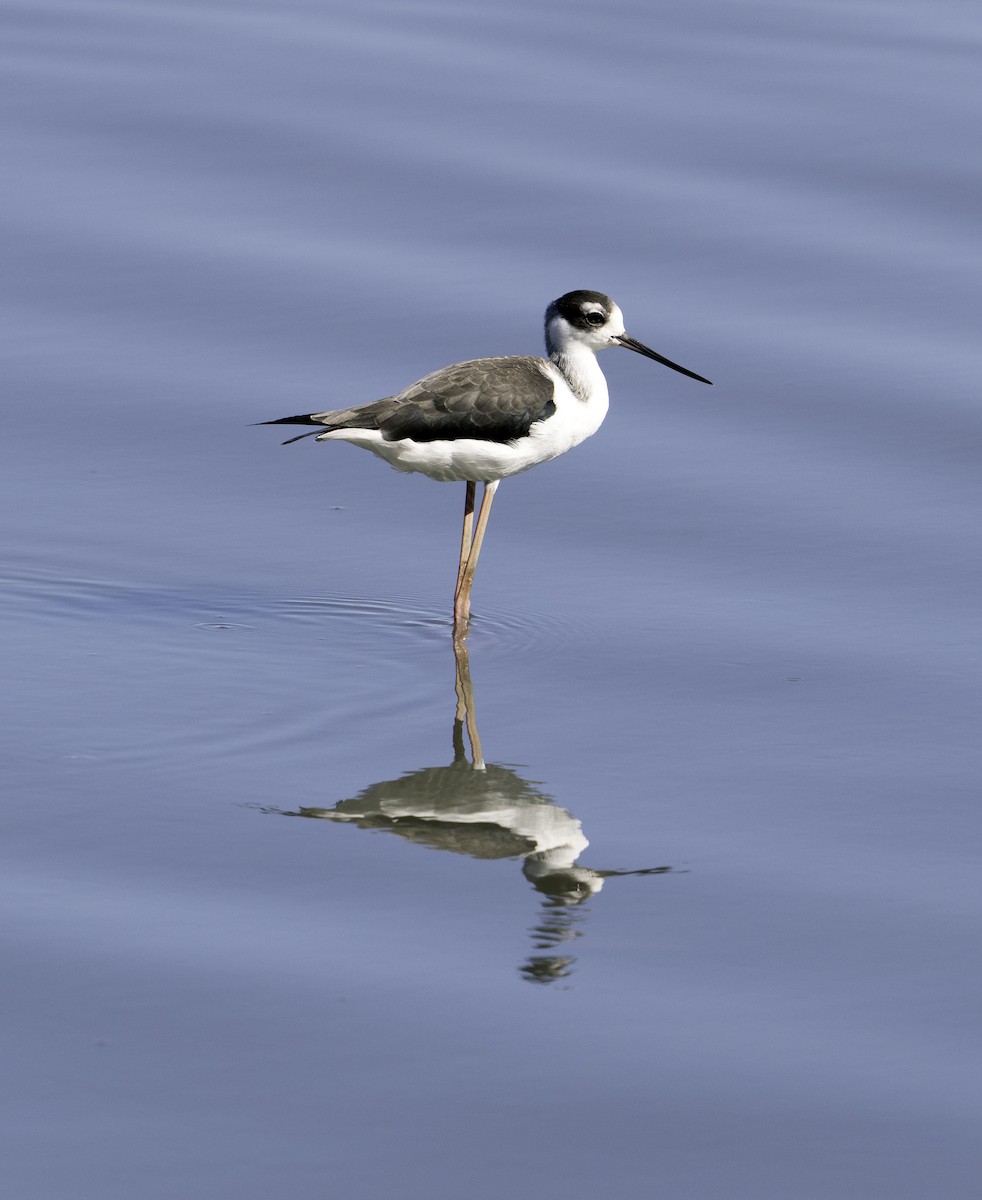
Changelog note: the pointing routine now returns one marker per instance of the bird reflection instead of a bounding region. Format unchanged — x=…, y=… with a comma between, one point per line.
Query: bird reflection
x=487, y=811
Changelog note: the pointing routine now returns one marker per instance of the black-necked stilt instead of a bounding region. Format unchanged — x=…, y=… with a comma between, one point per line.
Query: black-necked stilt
x=483, y=420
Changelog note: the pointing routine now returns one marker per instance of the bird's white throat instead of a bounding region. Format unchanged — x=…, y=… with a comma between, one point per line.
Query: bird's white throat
x=581, y=371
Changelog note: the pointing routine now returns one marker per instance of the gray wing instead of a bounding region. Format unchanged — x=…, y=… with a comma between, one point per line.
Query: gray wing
x=491, y=399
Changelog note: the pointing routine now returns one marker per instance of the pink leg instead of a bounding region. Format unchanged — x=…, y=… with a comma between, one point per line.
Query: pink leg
x=465, y=577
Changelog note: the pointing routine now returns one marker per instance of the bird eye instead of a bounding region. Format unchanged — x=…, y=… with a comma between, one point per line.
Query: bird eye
x=595, y=318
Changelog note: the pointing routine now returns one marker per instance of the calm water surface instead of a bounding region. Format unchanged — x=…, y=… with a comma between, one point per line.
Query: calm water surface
x=708, y=922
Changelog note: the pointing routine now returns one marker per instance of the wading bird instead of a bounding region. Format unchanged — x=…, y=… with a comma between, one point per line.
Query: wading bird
x=483, y=420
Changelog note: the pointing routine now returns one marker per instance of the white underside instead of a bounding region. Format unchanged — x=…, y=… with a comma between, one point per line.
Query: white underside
x=472, y=460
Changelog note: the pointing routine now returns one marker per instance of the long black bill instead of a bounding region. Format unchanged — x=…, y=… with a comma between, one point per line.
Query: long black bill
x=639, y=348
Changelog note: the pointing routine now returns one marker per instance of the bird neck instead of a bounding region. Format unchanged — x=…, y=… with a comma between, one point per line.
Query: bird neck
x=580, y=369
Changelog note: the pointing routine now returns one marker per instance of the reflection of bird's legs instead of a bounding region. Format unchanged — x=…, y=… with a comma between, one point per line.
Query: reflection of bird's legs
x=465, y=572
x=465, y=708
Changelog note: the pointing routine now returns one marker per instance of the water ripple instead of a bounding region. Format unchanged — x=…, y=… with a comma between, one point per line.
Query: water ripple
x=205, y=674
x=38, y=595
x=500, y=627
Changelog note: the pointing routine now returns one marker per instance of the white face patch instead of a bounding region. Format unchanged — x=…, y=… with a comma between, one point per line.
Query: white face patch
x=615, y=323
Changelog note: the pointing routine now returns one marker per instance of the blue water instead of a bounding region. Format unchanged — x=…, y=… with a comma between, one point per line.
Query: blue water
x=731, y=642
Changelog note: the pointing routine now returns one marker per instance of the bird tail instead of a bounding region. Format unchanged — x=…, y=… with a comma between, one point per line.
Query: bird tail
x=363, y=416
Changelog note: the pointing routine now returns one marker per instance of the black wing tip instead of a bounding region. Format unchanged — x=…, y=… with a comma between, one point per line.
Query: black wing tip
x=301, y=419
x=300, y=436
